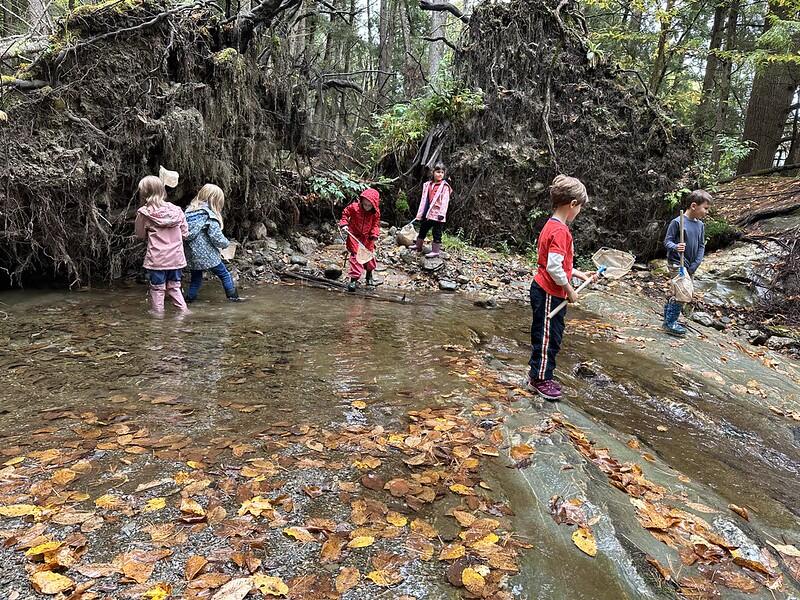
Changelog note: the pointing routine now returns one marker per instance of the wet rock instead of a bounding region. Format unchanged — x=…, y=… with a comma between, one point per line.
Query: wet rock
x=756, y=337
x=718, y=325
x=271, y=243
x=705, y=319
x=305, y=244
x=659, y=266
x=259, y=231
x=298, y=259
x=272, y=227
x=486, y=302
x=463, y=279
x=433, y=264
x=332, y=271
x=392, y=231
x=781, y=343
x=590, y=371
x=448, y=286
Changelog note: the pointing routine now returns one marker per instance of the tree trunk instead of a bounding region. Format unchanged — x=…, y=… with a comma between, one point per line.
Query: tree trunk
x=660, y=62
x=411, y=67
x=794, y=150
x=773, y=89
x=385, y=52
x=725, y=68
x=635, y=28
x=712, y=61
x=436, y=49
x=38, y=17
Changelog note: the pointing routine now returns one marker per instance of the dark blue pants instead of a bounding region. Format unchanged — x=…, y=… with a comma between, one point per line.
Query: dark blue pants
x=220, y=271
x=546, y=333
x=162, y=277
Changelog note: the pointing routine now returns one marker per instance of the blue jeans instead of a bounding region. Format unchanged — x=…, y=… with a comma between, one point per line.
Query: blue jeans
x=161, y=277
x=197, y=280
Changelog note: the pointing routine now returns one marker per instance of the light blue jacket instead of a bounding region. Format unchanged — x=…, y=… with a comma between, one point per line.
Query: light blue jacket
x=205, y=239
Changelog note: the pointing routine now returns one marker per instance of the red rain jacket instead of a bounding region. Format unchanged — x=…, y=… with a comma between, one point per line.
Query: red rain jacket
x=366, y=226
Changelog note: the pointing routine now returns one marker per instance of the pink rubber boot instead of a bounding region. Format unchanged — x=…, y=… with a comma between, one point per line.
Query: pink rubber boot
x=157, y=300
x=417, y=246
x=436, y=249
x=176, y=295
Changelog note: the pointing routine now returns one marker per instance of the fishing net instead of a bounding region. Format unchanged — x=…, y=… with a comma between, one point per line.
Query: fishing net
x=407, y=235
x=682, y=288
x=363, y=256
x=615, y=263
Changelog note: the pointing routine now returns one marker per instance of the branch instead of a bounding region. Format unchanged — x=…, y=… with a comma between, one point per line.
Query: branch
x=441, y=39
x=763, y=172
x=444, y=7
x=341, y=84
x=24, y=84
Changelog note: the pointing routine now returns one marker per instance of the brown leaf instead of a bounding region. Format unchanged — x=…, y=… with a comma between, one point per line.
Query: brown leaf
x=301, y=534
x=521, y=452
x=235, y=589
x=473, y=581
x=47, y=582
x=194, y=565
x=385, y=578
x=742, y=512
x=424, y=529
x=584, y=540
x=347, y=579
x=332, y=549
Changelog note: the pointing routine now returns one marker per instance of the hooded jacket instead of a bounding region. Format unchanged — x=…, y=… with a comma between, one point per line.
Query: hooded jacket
x=366, y=226
x=164, y=228
x=205, y=239
x=437, y=209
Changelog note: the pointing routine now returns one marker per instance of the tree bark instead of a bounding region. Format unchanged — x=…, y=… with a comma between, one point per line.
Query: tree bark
x=725, y=68
x=660, y=62
x=712, y=62
x=38, y=17
x=773, y=89
x=385, y=52
x=436, y=49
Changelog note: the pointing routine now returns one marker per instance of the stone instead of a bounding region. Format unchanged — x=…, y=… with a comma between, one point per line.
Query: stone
x=705, y=319
x=463, y=279
x=777, y=342
x=259, y=231
x=433, y=264
x=305, y=244
x=392, y=231
x=271, y=243
x=272, y=227
x=298, y=259
x=756, y=337
x=448, y=286
x=332, y=271
x=486, y=302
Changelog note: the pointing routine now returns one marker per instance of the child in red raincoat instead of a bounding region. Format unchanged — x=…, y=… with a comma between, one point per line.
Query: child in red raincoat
x=362, y=219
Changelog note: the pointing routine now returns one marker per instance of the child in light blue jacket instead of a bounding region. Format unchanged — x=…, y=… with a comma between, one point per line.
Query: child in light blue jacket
x=205, y=240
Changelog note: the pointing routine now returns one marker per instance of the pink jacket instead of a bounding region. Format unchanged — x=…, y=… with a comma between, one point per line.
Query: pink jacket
x=164, y=228
x=439, y=203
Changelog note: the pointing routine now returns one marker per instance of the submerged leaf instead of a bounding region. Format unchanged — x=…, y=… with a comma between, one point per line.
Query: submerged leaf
x=584, y=539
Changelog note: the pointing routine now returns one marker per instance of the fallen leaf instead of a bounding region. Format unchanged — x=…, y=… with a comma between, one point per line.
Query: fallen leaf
x=361, y=541
x=424, y=528
x=347, y=579
x=360, y=405
x=742, y=512
x=521, y=452
x=301, y=534
x=194, y=565
x=191, y=511
x=786, y=549
x=41, y=549
x=462, y=490
x=396, y=519
x=452, y=552
x=19, y=510
x=47, y=582
x=270, y=586
x=160, y=591
x=235, y=589
x=63, y=477
x=584, y=539
x=155, y=504
x=384, y=577
x=473, y=581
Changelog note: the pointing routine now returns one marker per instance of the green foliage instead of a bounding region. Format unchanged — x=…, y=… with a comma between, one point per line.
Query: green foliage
x=534, y=215
x=404, y=124
x=336, y=187
x=503, y=247
x=719, y=232
x=454, y=242
x=401, y=206
x=733, y=150
x=584, y=263
x=673, y=199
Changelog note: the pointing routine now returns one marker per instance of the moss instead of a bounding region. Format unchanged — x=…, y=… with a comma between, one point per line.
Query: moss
x=228, y=56
x=7, y=79
x=119, y=6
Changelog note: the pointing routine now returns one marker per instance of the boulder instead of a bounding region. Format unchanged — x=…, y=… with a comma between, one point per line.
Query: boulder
x=272, y=227
x=463, y=279
x=298, y=259
x=305, y=244
x=259, y=231
x=448, y=286
x=486, y=302
x=777, y=342
x=332, y=271
x=433, y=264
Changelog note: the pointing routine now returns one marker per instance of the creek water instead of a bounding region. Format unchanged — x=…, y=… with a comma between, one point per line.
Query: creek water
x=300, y=355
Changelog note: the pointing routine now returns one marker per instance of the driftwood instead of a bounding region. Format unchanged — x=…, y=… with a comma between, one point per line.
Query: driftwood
x=328, y=284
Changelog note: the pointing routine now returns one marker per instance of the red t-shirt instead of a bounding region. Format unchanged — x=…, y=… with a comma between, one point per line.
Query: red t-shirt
x=554, y=238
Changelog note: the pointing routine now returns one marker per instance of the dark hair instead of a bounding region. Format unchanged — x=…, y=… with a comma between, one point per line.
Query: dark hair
x=565, y=190
x=439, y=166
x=698, y=197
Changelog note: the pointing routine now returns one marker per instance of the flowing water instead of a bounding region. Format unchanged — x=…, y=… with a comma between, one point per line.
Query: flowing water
x=295, y=355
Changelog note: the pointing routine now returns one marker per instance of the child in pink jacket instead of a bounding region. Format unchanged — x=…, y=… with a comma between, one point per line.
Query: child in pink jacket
x=164, y=227
x=432, y=210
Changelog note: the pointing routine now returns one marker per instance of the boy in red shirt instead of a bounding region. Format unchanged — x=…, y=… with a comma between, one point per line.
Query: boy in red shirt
x=552, y=284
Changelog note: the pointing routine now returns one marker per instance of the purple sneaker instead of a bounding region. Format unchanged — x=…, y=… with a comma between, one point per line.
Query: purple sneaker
x=548, y=389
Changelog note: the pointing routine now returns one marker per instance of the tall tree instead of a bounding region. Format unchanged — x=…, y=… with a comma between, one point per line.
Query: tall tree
x=773, y=89
x=712, y=62
x=725, y=72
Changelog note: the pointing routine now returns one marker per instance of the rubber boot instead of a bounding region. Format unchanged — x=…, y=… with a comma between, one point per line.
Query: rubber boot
x=157, y=300
x=672, y=311
x=233, y=296
x=436, y=249
x=369, y=280
x=176, y=295
x=417, y=245
x=351, y=287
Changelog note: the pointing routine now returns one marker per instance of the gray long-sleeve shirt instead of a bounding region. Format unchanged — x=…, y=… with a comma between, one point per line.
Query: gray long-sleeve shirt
x=694, y=235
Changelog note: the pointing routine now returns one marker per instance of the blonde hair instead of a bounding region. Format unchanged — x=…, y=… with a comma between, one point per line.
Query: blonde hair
x=213, y=196
x=152, y=191
x=565, y=190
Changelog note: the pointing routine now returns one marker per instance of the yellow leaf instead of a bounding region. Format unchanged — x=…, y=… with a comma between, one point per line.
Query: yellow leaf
x=462, y=490
x=63, y=477
x=359, y=404
x=396, y=519
x=385, y=578
x=47, y=582
x=452, y=552
x=424, y=528
x=486, y=542
x=473, y=580
x=13, y=461
x=255, y=506
x=155, y=504
x=160, y=591
x=301, y=534
x=584, y=540
x=193, y=464
x=272, y=586
x=361, y=541
x=521, y=452
x=347, y=579
x=786, y=550
x=109, y=502
x=192, y=508
x=43, y=549
x=19, y=510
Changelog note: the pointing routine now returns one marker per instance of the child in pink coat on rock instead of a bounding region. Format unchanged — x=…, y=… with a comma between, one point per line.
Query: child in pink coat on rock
x=432, y=210
x=164, y=227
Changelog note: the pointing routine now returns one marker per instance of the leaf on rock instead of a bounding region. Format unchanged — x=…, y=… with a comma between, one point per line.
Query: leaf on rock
x=521, y=452
x=235, y=589
x=385, y=577
x=396, y=519
x=473, y=581
x=347, y=579
x=452, y=552
x=462, y=490
x=47, y=582
x=160, y=591
x=155, y=504
x=742, y=512
x=270, y=586
x=361, y=541
x=584, y=539
x=194, y=565
x=19, y=510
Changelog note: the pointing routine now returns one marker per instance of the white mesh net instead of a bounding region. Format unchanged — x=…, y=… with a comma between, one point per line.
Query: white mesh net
x=616, y=262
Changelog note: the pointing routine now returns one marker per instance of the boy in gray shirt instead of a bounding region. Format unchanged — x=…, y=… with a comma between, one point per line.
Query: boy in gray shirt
x=693, y=249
